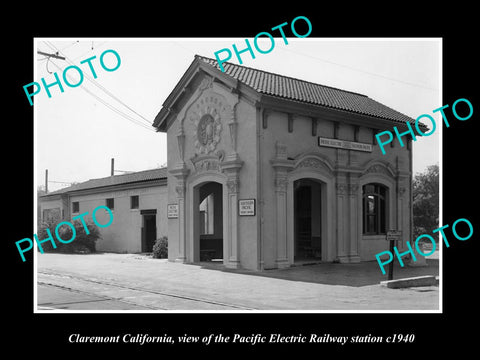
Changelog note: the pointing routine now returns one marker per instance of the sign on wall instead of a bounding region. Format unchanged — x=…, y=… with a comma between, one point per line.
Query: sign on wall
x=344, y=144
x=172, y=211
x=246, y=207
x=395, y=235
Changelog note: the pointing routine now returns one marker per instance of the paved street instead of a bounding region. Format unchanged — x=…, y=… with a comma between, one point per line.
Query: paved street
x=137, y=282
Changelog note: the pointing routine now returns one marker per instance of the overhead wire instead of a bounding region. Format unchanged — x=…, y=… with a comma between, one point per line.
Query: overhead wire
x=361, y=70
x=86, y=52
x=341, y=65
x=46, y=66
x=333, y=63
x=106, y=91
x=101, y=87
x=183, y=47
x=111, y=107
x=73, y=43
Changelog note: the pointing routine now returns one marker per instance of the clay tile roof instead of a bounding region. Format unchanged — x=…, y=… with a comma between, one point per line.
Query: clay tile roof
x=304, y=91
x=140, y=176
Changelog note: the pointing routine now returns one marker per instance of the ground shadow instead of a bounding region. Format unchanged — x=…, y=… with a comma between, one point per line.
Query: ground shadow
x=356, y=275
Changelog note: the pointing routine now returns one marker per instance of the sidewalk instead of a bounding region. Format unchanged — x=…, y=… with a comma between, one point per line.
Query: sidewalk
x=159, y=284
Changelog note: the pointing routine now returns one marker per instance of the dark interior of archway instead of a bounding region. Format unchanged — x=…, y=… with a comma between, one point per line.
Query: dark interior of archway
x=210, y=214
x=307, y=220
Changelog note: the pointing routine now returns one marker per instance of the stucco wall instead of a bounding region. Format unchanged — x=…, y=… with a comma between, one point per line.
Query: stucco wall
x=353, y=168
x=231, y=143
x=124, y=234
x=247, y=150
x=273, y=158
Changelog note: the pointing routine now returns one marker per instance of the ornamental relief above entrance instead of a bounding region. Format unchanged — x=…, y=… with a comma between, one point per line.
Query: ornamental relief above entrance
x=208, y=129
x=207, y=115
x=210, y=162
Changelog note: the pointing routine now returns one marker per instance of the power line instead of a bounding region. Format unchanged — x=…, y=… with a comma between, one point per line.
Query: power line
x=86, y=52
x=111, y=107
x=73, y=43
x=183, y=47
x=344, y=66
x=104, y=102
x=360, y=70
x=101, y=87
x=124, y=171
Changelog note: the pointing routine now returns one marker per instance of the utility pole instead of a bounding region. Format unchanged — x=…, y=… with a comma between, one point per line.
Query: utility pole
x=56, y=56
x=52, y=181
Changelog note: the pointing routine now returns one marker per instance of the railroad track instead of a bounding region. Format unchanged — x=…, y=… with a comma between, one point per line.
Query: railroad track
x=111, y=290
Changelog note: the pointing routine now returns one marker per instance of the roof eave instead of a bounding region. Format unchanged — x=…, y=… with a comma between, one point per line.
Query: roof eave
x=161, y=122
x=106, y=188
x=53, y=196
x=328, y=113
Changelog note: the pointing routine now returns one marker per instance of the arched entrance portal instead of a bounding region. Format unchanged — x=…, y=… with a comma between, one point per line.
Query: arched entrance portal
x=307, y=220
x=208, y=222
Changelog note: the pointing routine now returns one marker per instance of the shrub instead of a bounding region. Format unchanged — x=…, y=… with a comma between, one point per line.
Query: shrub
x=82, y=243
x=160, y=248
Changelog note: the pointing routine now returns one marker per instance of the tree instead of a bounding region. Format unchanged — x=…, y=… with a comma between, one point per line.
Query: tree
x=426, y=202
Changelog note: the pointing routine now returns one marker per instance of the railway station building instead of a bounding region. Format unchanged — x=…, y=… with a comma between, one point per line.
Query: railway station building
x=266, y=171
x=263, y=171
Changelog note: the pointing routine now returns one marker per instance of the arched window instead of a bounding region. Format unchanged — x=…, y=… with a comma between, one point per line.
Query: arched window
x=374, y=209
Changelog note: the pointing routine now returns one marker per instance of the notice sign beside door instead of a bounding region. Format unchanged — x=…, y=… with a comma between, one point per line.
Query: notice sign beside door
x=172, y=211
x=246, y=207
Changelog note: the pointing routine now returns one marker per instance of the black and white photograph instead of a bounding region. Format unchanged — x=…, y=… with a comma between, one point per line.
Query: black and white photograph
x=263, y=187
x=251, y=183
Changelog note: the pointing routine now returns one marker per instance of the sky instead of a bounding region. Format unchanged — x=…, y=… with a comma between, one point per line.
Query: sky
x=80, y=130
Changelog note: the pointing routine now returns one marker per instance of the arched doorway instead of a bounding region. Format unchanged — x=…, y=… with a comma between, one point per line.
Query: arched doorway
x=307, y=222
x=321, y=238
x=208, y=222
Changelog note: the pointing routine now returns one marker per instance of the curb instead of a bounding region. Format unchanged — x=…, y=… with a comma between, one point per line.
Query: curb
x=427, y=280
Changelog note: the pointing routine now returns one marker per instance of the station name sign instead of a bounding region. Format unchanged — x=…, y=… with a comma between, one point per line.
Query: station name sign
x=344, y=144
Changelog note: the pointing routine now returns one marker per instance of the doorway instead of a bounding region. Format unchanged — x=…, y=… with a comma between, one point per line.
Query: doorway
x=149, y=229
x=307, y=220
x=208, y=217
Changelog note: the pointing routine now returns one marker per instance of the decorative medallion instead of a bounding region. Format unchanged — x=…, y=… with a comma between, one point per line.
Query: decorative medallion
x=205, y=130
x=208, y=129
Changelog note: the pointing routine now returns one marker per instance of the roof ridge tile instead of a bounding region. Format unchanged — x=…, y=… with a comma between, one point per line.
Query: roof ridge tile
x=292, y=88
